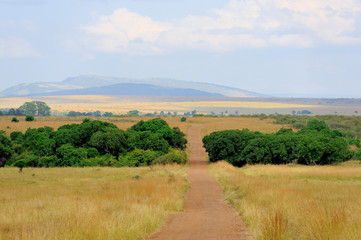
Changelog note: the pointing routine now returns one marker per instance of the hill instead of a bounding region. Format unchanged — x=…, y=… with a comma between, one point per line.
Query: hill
x=133, y=89
x=95, y=81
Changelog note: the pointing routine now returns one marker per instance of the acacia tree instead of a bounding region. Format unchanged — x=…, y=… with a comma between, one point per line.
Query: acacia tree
x=34, y=108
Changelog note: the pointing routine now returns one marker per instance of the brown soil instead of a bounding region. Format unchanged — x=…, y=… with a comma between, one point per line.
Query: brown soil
x=206, y=214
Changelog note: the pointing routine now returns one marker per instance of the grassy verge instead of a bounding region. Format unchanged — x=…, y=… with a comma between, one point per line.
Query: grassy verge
x=89, y=203
x=294, y=202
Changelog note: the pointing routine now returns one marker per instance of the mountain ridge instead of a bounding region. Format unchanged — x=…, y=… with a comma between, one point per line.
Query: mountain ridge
x=93, y=81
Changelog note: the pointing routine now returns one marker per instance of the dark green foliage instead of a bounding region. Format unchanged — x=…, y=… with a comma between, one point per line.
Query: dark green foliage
x=317, y=125
x=178, y=139
x=183, y=119
x=14, y=119
x=314, y=144
x=91, y=143
x=111, y=140
x=20, y=164
x=29, y=118
x=70, y=156
x=148, y=140
x=17, y=137
x=174, y=137
x=228, y=145
x=6, y=150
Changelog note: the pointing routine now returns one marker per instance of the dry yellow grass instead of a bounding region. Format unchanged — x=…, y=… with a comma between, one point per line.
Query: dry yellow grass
x=88, y=203
x=295, y=202
x=123, y=104
x=211, y=123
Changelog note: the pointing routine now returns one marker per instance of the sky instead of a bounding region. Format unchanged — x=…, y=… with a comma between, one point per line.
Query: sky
x=303, y=48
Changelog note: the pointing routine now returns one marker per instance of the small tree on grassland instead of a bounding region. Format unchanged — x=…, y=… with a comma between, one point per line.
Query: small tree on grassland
x=29, y=118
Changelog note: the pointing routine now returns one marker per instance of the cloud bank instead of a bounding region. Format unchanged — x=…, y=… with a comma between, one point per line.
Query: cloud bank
x=239, y=24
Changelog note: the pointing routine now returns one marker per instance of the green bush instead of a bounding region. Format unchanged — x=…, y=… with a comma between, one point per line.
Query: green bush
x=14, y=119
x=29, y=118
x=315, y=144
x=174, y=156
x=183, y=119
x=91, y=143
x=139, y=157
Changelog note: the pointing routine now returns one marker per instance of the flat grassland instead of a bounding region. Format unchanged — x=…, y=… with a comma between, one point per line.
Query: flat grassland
x=206, y=105
x=123, y=104
x=276, y=202
x=212, y=124
x=88, y=203
x=295, y=202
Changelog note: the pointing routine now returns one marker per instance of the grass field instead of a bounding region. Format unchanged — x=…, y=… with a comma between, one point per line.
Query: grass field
x=123, y=104
x=211, y=123
x=88, y=203
x=295, y=202
x=276, y=202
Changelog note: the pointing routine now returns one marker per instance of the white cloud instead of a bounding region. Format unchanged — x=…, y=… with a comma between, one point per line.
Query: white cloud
x=239, y=24
x=123, y=30
x=14, y=47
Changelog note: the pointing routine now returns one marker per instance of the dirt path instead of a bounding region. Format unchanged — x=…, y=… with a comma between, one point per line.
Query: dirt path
x=206, y=215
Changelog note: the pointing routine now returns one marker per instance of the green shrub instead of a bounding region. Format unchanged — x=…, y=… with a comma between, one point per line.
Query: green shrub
x=138, y=157
x=315, y=144
x=14, y=119
x=91, y=143
x=29, y=118
x=174, y=156
x=183, y=119
x=20, y=164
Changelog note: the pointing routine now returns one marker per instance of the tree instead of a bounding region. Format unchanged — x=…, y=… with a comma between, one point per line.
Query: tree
x=317, y=125
x=133, y=113
x=111, y=141
x=34, y=108
x=29, y=108
x=228, y=145
x=42, y=108
x=14, y=119
x=5, y=148
x=29, y=118
x=108, y=114
x=183, y=119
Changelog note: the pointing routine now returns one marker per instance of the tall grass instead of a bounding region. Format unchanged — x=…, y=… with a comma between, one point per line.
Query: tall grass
x=88, y=203
x=295, y=202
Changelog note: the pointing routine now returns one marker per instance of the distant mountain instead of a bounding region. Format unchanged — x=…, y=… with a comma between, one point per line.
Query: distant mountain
x=135, y=89
x=90, y=82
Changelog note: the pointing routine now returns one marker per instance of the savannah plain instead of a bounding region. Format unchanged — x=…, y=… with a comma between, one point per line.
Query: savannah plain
x=275, y=202
x=60, y=105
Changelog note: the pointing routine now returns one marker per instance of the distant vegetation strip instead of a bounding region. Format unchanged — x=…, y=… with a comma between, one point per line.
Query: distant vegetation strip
x=314, y=144
x=350, y=126
x=94, y=143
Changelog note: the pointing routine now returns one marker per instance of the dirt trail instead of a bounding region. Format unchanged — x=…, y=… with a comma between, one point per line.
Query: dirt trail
x=206, y=215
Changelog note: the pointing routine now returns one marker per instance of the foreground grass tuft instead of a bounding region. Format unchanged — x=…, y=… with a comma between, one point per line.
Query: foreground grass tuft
x=88, y=203
x=294, y=202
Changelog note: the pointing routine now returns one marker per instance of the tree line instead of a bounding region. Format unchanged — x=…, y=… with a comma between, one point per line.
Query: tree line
x=34, y=108
x=314, y=144
x=94, y=143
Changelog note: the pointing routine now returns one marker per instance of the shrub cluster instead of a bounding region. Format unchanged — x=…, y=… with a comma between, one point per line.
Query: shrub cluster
x=313, y=144
x=93, y=143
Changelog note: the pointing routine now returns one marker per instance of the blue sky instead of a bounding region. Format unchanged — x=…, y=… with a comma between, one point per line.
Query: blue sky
x=309, y=48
